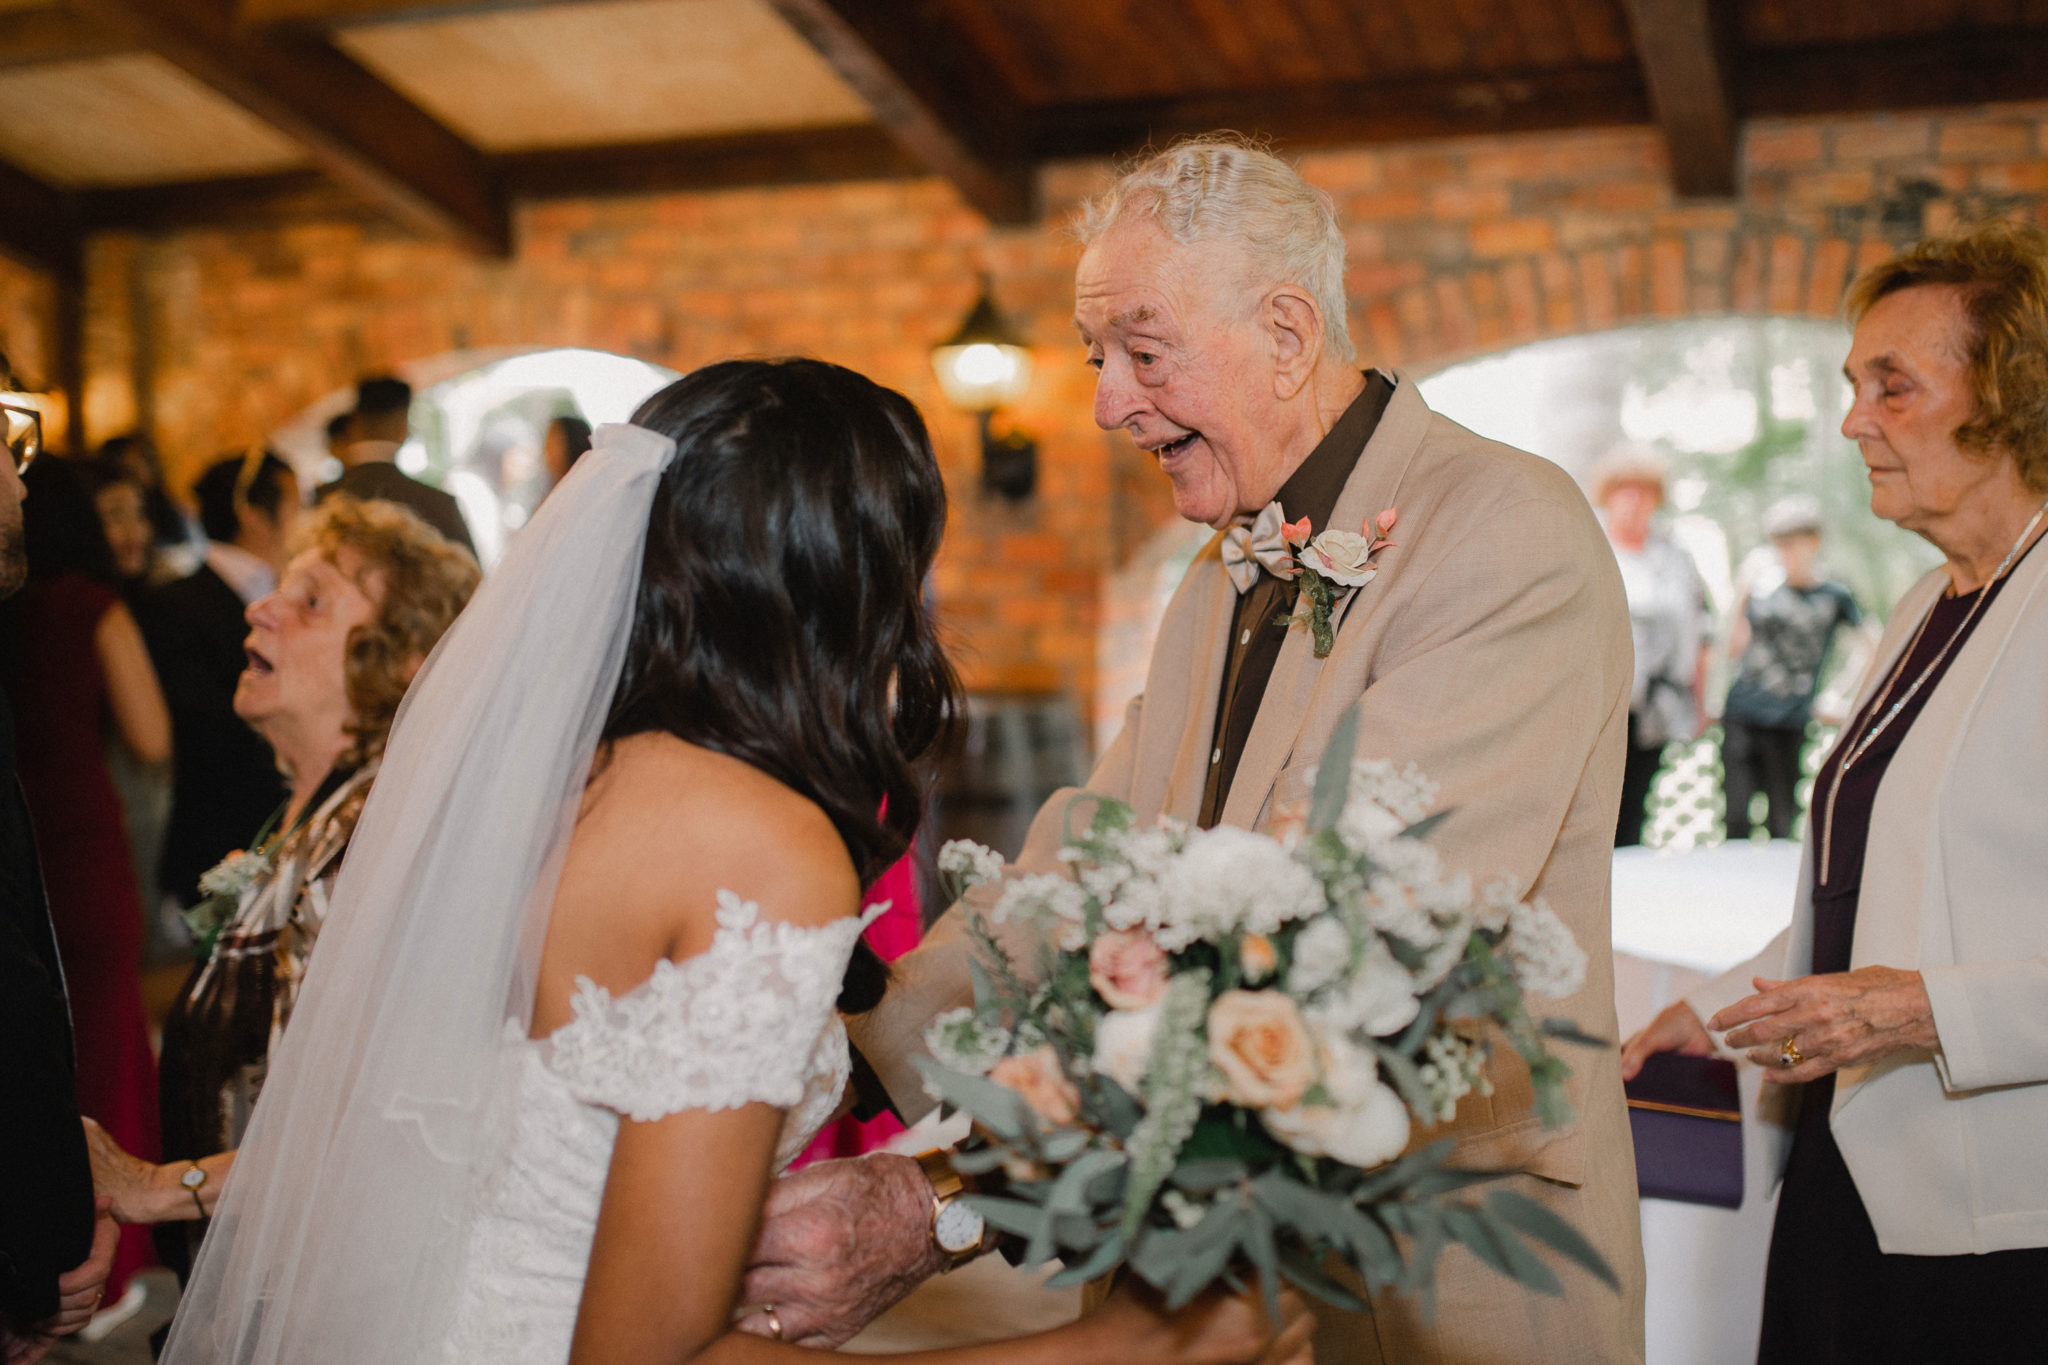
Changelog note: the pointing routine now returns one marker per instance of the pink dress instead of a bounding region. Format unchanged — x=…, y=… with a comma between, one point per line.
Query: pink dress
x=893, y=935
x=51, y=669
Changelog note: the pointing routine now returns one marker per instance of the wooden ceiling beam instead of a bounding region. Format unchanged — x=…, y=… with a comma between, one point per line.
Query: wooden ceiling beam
x=1366, y=112
x=39, y=223
x=798, y=156
x=31, y=37
x=331, y=14
x=1683, y=48
x=946, y=106
x=355, y=128
x=807, y=155
x=1985, y=66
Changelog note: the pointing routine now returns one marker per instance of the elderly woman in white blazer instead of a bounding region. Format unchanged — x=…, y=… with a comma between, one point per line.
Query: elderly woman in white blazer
x=1905, y=1011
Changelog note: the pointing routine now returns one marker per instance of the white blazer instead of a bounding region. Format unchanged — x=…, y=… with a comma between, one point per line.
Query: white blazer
x=1949, y=1149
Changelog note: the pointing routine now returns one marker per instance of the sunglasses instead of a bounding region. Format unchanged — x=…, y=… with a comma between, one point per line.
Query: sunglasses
x=24, y=434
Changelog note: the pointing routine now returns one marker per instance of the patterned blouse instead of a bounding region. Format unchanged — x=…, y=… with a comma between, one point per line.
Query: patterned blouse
x=234, y=1006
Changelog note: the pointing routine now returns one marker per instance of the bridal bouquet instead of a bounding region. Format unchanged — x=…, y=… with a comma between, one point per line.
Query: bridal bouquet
x=1229, y=1036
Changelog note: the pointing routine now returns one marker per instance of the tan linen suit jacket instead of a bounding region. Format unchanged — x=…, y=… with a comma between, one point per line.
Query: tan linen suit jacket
x=1493, y=651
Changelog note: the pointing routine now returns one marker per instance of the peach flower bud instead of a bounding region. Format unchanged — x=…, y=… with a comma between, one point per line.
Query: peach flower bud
x=1258, y=957
x=1127, y=968
x=1261, y=1044
x=1036, y=1075
x=1296, y=533
x=1386, y=520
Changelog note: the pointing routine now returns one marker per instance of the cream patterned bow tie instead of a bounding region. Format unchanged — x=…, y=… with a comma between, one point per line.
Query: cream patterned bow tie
x=1262, y=545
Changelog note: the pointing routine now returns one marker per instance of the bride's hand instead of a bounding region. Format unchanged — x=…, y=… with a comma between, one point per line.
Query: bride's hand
x=1217, y=1328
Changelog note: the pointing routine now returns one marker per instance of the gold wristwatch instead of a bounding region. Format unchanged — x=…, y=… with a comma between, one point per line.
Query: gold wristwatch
x=194, y=1180
x=956, y=1229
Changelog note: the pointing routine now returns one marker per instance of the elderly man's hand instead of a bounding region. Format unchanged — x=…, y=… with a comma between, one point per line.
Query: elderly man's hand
x=841, y=1241
x=79, y=1291
x=1841, y=1019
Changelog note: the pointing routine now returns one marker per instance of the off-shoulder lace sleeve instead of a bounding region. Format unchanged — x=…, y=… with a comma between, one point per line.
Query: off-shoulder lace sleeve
x=736, y=1024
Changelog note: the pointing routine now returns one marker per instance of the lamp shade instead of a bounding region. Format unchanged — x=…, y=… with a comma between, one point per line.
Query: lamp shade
x=984, y=365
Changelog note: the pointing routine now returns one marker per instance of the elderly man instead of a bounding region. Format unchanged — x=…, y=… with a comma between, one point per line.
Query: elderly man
x=1492, y=650
x=48, y=1220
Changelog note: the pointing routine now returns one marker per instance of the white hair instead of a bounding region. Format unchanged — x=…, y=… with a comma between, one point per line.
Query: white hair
x=1220, y=186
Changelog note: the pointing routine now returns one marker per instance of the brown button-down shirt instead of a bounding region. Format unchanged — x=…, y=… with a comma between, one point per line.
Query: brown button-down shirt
x=1259, y=626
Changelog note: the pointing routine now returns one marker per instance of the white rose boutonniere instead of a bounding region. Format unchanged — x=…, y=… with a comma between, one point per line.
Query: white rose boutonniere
x=1334, y=563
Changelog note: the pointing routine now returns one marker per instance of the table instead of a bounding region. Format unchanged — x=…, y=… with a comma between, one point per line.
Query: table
x=1681, y=918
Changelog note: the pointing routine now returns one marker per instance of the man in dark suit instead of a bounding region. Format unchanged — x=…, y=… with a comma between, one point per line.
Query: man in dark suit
x=380, y=427
x=225, y=782
x=49, y=1223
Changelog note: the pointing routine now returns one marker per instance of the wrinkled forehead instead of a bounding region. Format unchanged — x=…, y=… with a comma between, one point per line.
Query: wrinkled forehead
x=1134, y=275
x=339, y=568
x=1920, y=327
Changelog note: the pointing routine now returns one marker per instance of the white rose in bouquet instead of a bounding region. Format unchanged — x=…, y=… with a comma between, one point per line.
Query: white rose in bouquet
x=1365, y=1122
x=1123, y=1045
x=1230, y=881
x=1379, y=997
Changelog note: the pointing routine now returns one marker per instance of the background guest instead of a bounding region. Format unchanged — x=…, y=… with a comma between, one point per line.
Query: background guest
x=329, y=655
x=1781, y=635
x=73, y=663
x=378, y=427
x=1667, y=610
x=225, y=780
x=1903, y=1009
x=566, y=440
x=176, y=538
x=48, y=1221
x=144, y=788
x=122, y=500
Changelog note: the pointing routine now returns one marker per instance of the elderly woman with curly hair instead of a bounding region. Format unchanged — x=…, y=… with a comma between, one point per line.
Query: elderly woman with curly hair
x=330, y=653
x=1905, y=1012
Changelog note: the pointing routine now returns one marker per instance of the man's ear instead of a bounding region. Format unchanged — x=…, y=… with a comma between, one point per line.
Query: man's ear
x=1294, y=325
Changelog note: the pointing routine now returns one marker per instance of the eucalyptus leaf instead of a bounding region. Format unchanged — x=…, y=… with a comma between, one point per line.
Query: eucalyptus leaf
x=1257, y=1239
x=979, y=1160
x=1299, y=1268
x=1569, y=1031
x=1204, y=1174
x=1422, y=828
x=1070, y=1191
x=1333, y=772
x=1108, y=1254
x=1406, y=1078
x=1531, y=1219
x=998, y=1109
x=984, y=992
x=1014, y=1216
x=1524, y=1265
x=1211, y=1244
x=1113, y=1106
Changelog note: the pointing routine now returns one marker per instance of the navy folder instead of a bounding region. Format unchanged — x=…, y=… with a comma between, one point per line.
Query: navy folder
x=1686, y=1115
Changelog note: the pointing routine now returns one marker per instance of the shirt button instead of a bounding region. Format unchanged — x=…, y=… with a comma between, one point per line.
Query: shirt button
x=1245, y=638
x=1217, y=756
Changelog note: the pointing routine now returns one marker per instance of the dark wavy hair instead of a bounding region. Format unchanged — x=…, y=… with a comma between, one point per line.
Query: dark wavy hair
x=781, y=617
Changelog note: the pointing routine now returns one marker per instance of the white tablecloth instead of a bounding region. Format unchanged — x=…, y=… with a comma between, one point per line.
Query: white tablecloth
x=1679, y=919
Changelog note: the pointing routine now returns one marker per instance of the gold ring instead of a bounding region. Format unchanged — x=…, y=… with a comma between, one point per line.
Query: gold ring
x=1789, y=1053
x=774, y=1320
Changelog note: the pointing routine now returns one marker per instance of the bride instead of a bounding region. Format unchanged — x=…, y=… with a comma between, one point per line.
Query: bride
x=577, y=1001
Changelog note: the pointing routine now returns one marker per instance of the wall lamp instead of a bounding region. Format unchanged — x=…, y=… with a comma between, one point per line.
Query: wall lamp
x=983, y=367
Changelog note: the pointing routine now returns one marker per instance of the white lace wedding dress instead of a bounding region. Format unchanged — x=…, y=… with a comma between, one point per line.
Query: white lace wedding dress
x=752, y=1019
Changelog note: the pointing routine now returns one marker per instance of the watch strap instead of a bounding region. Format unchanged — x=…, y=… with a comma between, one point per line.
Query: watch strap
x=947, y=1185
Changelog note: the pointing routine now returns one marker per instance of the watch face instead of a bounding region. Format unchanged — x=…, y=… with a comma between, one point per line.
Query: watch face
x=958, y=1228
x=193, y=1178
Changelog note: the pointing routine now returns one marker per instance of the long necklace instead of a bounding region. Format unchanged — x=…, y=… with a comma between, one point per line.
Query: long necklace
x=1862, y=745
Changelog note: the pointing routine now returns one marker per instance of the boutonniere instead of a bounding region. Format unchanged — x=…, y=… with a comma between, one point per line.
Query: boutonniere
x=1333, y=565
x=225, y=885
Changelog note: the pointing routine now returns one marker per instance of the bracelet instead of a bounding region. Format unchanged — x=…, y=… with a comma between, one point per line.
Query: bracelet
x=192, y=1180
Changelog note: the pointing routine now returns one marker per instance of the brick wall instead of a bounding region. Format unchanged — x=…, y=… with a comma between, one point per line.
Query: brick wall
x=211, y=338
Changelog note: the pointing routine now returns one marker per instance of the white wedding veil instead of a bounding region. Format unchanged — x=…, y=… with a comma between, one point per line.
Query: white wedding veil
x=341, y=1229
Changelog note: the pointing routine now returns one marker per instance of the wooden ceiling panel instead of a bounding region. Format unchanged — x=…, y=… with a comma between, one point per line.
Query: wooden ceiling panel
x=629, y=71
x=130, y=120
x=1803, y=23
